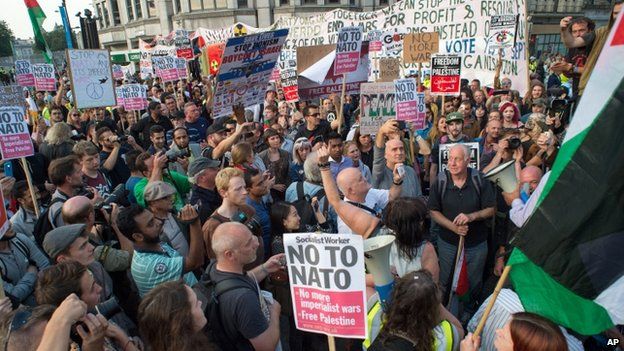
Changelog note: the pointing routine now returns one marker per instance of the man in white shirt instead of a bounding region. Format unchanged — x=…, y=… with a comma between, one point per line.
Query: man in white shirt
x=522, y=206
x=358, y=191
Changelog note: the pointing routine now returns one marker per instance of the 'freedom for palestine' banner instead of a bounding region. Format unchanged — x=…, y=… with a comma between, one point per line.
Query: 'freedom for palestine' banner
x=568, y=265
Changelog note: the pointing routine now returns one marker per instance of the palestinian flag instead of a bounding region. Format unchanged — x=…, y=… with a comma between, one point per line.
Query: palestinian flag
x=460, y=285
x=568, y=264
x=36, y=18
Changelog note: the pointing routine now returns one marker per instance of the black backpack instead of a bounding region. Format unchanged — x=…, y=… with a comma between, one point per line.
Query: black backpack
x=44, y=223
x=211, y=290
x=304, y=205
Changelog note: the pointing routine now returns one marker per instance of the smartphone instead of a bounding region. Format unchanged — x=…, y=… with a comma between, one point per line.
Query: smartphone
x=401, y=170
x=401, y=125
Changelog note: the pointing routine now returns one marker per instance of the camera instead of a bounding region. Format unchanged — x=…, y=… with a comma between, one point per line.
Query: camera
x=122, y=139
x=117, y=193
x=514, y=143
x=252, y=223
x=173, y=155
x=108, y=309
x=83, y=191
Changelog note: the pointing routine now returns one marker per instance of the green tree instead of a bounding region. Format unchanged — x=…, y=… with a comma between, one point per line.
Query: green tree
x=6, y=38
x=56, y=38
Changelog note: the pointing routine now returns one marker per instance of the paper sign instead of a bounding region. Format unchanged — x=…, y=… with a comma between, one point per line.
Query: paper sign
x=377, y=105
x=307, y=56
x=118, y=72
x=326, y=274
x=15, y=139
x=374, y=40
x=12, y=95
x=24, y=76
x=145, y=62
x=418, y=47
x=181, y=67
x=4, y=226
x=503, y=31
x=166, y=68
x=275, y=74
x=421, y=112
x=389, y=68
x=246, y=69
x=348, y=50
x=44, y=77
x=405, y=98
x=183, y=45
x=443, y=156
x=445, y=74
x=134, y=97
x=91, y=78
x=288, y=78
x=119, y=95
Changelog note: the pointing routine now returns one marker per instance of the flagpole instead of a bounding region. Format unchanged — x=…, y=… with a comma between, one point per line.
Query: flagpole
x=488, y=309
x=460, y=248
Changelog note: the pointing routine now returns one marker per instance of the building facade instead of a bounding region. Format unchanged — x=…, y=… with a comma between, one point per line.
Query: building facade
x=121, y=23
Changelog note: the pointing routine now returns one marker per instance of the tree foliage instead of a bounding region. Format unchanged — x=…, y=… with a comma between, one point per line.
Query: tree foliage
x=6, y=38
x=56, y=38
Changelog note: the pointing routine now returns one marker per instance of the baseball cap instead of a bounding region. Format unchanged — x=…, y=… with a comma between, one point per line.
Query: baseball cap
x=201, y=163
x=59, y=239
x=454, y=116
x=157, y=190
x=217, y=126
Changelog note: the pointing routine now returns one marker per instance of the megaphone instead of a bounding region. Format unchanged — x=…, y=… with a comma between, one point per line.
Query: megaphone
x=376, y=254
x=505, y=176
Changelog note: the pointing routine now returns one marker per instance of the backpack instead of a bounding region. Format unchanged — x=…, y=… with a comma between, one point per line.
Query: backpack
x=45, y=222
x=303, y=204
x=475, y=177
x=211, y=291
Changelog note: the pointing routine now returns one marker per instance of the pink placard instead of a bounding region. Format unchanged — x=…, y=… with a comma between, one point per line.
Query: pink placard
x=44, y=77
x=348, y=50
x=15, y=139
x=24, y=76
x=329, y=312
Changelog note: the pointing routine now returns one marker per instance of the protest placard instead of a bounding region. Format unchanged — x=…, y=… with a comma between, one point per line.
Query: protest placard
x=134, y=96
x=503, y=31
x=165, y=67
x=421, y=112
x=405, y=99
x=348, y=50
x=246, y=69
x=119, y=95
x=183, y=46
x=288, y=79
x=326, y=273
x=309, y=55
x=275, y=74
x=389, y=69
x=15, y=139
x=443, y=156
x=44, y=77
x=181, y=67
x=418, y=47
x=24, y=76
x=377, y=105
x=118, y=72
x=374, y=40
x=145, y=62
x=445, y=74
x=12, y=95
x=91, y=78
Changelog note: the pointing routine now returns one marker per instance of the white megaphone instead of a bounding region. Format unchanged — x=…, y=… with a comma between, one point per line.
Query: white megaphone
x=505, y=176
x=376, y=254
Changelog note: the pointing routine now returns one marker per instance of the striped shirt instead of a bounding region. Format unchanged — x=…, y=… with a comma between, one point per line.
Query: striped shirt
x=506, y=304
x=150, y=268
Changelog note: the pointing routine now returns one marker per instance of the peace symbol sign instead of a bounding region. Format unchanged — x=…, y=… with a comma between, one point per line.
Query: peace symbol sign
x=95, y=91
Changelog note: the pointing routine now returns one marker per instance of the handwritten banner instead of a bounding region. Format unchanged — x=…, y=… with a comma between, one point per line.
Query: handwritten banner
x=15, y=139
x=326, y=273
x=91, y=78
x=44, y=77
x=24, y=76
x=418, y=47
x=377, y=105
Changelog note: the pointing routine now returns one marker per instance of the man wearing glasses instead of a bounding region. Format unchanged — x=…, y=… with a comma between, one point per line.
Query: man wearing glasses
x=315, y=129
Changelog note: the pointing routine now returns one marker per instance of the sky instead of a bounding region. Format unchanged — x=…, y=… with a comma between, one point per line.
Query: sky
x=16, y=14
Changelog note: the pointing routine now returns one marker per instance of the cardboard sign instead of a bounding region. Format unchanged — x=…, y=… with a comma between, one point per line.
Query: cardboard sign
x=389, y=69
x=15, y=139
x=288, y=79
x=166, y=68
x=181, y=67
x=377, y=106
x=326, y=274
x=348, y=50
x=118, y=72
x=246, y=69
x=418, y=47
x=443, y=156
x=405, y=99
x=24, y=76
x=445, y=74
x=503, y=31
x=4, y=226
x=309, y=55
x=91, y=78
x=134, y=97
x=44, y=77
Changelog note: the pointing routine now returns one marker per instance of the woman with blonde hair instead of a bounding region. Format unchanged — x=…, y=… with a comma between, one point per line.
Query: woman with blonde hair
x=57, y=142
x=301, y=149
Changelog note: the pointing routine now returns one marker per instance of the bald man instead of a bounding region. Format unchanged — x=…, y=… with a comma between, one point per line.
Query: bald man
x=390, y=155
x=359, y=192
x=79, y=210
x=531, y=185
x=245, y=326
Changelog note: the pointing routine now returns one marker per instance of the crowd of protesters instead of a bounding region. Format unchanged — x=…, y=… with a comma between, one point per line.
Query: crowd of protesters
x=137, y=211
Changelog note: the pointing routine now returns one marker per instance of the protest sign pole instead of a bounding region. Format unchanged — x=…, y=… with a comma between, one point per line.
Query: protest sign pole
x=418, y=76
x=488, y=308
x=442, y=108
x=331, y=343
x=411, y=139
x=30, y=184
x=460, y=248
x=342, y=96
